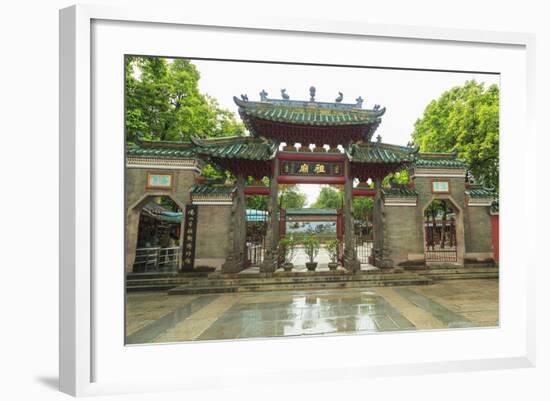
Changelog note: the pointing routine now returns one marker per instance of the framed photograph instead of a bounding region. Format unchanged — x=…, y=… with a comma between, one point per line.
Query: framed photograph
x=269, y=208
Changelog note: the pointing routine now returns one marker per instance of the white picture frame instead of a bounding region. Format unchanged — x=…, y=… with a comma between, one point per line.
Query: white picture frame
x=93, y=358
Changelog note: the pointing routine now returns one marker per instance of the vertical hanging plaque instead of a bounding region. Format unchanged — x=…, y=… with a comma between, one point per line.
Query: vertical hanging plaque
x=189, y=237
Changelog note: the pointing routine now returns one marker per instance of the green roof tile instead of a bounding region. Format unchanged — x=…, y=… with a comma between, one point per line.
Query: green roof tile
x=211, y=190
x=309, y=113
x=480, y=193
x=310, y=212
x=241, y=148
x=377, y=152
x=439, y=160
x=400, y=192
x=161, y=150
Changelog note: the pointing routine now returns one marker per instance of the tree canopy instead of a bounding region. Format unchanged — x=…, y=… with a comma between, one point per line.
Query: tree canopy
x=465, y=119
x=290, y=197
x=332, y=198
x=328, y=198
x=163, y=102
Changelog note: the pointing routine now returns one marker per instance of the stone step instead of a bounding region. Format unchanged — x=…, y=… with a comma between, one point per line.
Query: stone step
x=150, y=287
x=461, y=270
x=285, y=280
x=462, y=276
x=161, y=275
x=158, y=281
x=302, y=278
x=263, y=286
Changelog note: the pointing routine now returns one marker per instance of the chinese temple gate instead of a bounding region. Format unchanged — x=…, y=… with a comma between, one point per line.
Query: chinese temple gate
x=310, y=142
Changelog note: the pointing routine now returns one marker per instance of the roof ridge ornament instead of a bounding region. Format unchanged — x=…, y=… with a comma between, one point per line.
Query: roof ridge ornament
x=339, y=98
x=263, y=95
x=312, y=91
x=359, y=103
x=244, y=97
x=284, y=95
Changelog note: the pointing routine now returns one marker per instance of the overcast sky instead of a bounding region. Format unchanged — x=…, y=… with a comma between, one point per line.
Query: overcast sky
x=405, y=94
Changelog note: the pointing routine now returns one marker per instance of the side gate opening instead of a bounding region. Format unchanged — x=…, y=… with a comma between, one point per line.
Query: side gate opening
x=256, y=231
x=363, y=231
x=158, y=239
x=440, y=232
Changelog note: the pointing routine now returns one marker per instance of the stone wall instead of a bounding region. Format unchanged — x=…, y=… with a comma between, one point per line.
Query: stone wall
x=403, y=235
x=213, y=239
x=423, y=185
x=136, y=181
x=478, y=230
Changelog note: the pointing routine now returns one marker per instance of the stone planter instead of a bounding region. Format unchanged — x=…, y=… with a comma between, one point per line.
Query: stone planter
x=311, y=266
x=333, y=266
x=288, y=266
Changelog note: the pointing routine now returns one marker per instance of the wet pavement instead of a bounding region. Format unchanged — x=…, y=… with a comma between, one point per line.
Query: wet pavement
x=159, y=318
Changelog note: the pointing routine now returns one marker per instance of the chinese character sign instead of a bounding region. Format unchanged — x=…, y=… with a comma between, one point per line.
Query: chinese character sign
x=189, y=236
x=161, y=181
x=440, y=186
x=308, y=168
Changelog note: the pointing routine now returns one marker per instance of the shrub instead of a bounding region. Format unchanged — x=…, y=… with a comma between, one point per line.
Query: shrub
x=311, y=247
x=287, y=247
x=332, y=249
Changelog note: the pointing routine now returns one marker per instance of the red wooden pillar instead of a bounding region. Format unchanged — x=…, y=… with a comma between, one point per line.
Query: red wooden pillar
x=495, y=230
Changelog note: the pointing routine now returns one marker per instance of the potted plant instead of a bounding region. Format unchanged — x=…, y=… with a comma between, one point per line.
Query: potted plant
x=332, y=249
x=311, y=248
x=287, y=246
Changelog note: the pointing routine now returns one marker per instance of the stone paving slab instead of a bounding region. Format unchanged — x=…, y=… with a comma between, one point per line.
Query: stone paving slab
x=161, y=318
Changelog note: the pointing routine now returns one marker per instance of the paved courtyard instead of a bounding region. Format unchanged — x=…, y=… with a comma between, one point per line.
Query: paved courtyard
x=155, y=317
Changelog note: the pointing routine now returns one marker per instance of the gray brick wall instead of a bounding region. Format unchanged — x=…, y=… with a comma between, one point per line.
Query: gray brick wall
x=403, y=233
x=478, y=230
x=213, y=240
x=136, y=181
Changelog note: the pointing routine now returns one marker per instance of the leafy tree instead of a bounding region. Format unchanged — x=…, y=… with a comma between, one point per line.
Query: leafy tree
x=328, y=198
x=290, y=197
x=332, y=198
x=464, y=119
x=163, y=102
x=399, y=177
x=361, y=206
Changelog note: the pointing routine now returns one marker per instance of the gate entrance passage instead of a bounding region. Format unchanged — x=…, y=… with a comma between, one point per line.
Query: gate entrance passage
x=323, y=224
x=440, y=233
x=364, y=239
x=256, y=231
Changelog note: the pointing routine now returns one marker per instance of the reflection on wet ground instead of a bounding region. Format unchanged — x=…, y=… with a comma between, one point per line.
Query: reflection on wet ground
x=161, y=318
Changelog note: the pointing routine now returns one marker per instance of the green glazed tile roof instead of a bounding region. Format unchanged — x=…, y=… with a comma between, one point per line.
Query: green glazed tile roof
x=400, y=192
x=308, y=113
x=480, y=193
x=162, y=150
x=439, y=160
x=239, y=148
x=377, y=152
x=310, y=212
x=211, y=190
